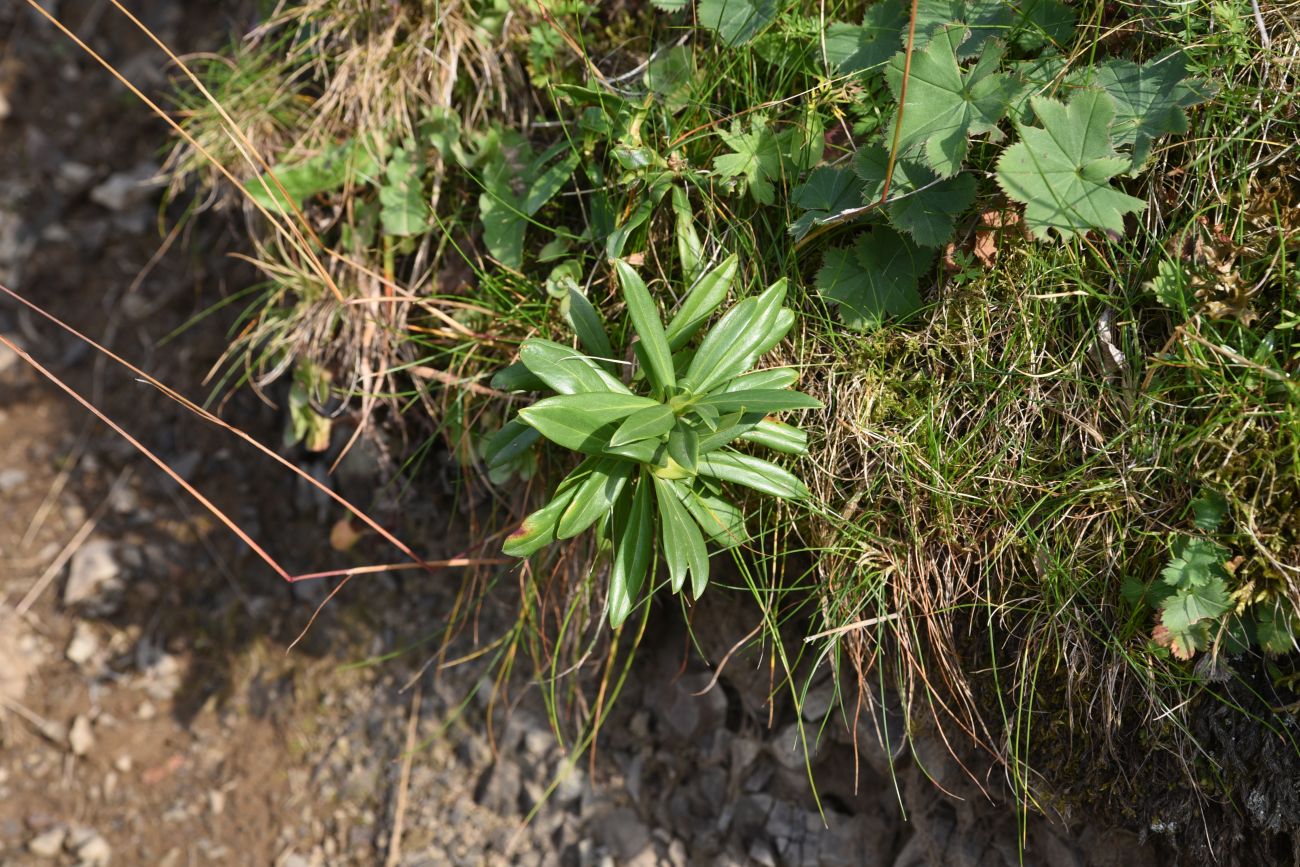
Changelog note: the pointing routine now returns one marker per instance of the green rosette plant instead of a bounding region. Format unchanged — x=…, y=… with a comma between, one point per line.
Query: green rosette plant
x=659, y=448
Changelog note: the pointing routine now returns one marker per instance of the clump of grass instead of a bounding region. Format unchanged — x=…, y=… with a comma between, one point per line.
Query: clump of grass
x=989, y=473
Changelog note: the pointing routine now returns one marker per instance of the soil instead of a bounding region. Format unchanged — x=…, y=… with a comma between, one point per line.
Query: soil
x=151, y=711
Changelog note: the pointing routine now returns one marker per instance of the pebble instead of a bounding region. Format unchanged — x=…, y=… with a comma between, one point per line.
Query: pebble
x=92, y=574
x=90, y=847
x=122, y=190
x=84, y=644
x=48, y=844
x=81, y=737
x=12, y=480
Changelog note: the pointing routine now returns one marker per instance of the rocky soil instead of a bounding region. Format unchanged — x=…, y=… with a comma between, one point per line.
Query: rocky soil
x=150, y=713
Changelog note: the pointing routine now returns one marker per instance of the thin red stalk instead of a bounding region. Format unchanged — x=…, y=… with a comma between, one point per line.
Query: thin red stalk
x=200, y=411
x=189, y=489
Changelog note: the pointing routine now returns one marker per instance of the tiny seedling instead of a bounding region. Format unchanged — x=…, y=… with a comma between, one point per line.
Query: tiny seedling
x=655, y=461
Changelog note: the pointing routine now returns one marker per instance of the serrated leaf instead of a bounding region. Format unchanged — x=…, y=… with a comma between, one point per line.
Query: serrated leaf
x=755, y=160
x=874, y=278
x=736, y=21
x=701, y=300
x=1210, y=508
x=1042, y=22
x=566, y=370
x=1195, y=562
x=754, y=473
x=649, y=423
x=858, y=47
x=582, y=422
x=331, y=169
x=1151, y=100
x=947, y=104
x=1185, y=642
x=643, y=312
x=670, y=75
x=978, y=22
x=403, y=208
x=1062, y=171
x=828, y=196
x=633, y=544
x=919, y=202
x=1186, y=607
x=1275, y=627
x=594, y=495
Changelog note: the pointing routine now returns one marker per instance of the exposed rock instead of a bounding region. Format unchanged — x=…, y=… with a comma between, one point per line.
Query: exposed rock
x=90, y=847
x=48, y=844
x=126, y=189
x=93, y=577
x=84, y=644
x=14, y=478
x=623, y=832
x=81, y=737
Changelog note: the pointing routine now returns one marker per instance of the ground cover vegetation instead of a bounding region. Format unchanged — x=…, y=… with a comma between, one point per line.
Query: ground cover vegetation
x=1030, y=265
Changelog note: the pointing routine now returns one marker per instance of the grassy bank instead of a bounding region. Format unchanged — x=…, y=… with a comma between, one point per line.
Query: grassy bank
x=1049, y=310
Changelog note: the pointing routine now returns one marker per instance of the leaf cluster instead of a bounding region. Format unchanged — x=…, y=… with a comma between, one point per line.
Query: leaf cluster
x=658, y=449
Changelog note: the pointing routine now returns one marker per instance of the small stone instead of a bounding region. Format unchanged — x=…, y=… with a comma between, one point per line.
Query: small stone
x=84, y=644
x=81, y=737
x=217, y=802
x=73, y=177
x=48, y=844
x=92, y=573
x=92, y=849
x=12, y=480
x=623, y=831
x=146, y=711
x=123, y=764
x=122, y=190
x=9, y=358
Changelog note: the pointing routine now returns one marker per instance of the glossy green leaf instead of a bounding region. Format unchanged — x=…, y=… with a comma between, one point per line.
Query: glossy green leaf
x=550, y=180
x=701, y=300
x=649, y=327
x=773, y=377
x=538, y=529
x=566, y=370
x=683, y=545
x=778, y=436
x=730, y=346
x=633, y=545
x=594, y=496
x=517, y=377
x=505, y=445
x=720, y=520
x=582, y=422
x=753, y=473
x=764, y=400
x=587, y=325
x=684, y=448
x=649, y=423
x=690, y=251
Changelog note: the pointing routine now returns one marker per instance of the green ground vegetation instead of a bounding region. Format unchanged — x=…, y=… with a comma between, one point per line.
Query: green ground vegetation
x=1047, y=312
